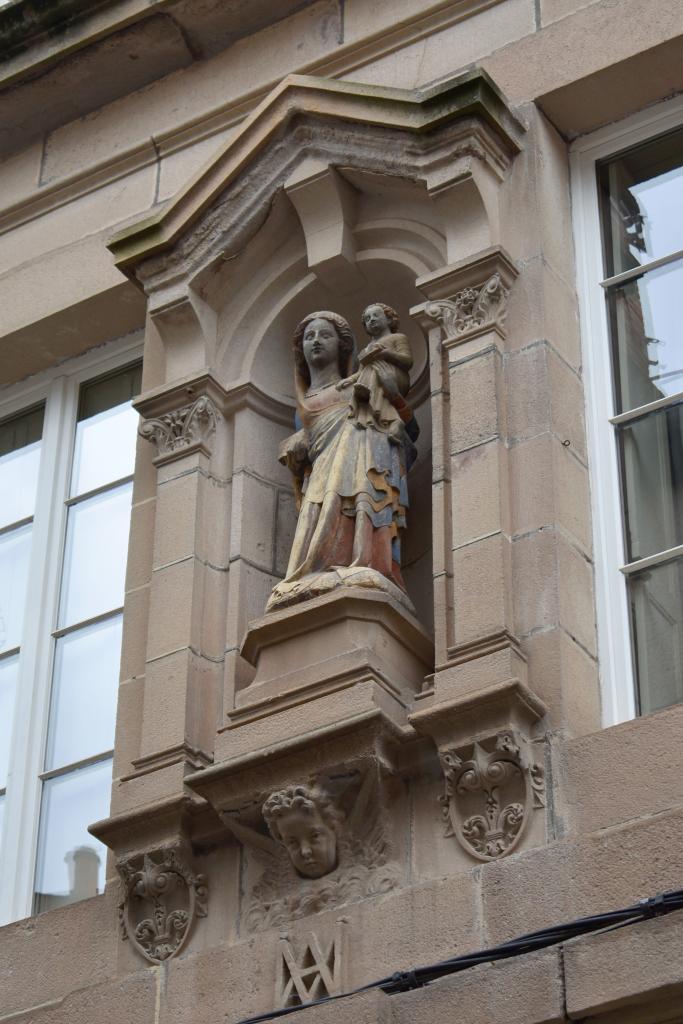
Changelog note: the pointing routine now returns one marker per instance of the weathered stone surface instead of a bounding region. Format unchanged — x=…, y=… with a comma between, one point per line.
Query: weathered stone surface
x=33, y=966
x=630, y=970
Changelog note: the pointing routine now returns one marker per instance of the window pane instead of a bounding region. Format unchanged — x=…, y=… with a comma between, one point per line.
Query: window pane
x=71, y=863
x=21, y=431
x=642, y=194
x=84, y=691
x=652, y=452
x=647, y=337
x=8, y=692
x=19, y=461
x=107, y=392
x=105, y=448
x=95, y=555
x=14, y=554
x=106, y=430
x=656, y=597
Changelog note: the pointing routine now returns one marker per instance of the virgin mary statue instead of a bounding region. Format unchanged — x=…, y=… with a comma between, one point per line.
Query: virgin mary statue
x=350, y=471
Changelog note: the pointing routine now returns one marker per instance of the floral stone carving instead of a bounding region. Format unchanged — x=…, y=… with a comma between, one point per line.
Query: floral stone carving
x=161, y=899
x=175, y=431
x=316, y=858
x=491, y=791
x=472, y=308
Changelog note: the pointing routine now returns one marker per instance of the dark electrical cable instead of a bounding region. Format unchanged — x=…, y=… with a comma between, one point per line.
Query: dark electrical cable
x=416, y=977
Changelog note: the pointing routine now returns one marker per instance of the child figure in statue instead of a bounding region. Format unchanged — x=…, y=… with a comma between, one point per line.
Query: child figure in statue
x=381, y=384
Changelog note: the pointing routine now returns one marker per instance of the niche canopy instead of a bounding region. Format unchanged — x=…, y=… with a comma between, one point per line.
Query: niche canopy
x=441, y=135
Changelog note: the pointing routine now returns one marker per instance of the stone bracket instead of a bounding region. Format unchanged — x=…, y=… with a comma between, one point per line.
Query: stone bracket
x=339, y=784
x=161, y=897
x=325, y=203
x=492, y=781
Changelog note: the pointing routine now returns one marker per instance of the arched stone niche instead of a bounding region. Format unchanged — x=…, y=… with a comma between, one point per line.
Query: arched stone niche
x=261, y=296
x=331, y=195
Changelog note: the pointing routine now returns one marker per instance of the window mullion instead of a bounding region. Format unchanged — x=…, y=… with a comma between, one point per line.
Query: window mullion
x=33, y=698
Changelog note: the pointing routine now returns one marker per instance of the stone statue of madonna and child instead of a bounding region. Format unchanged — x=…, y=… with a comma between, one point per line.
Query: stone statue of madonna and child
x=349, y=457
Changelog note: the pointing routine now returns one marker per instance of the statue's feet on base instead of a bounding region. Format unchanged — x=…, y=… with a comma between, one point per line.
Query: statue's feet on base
x=288, y=593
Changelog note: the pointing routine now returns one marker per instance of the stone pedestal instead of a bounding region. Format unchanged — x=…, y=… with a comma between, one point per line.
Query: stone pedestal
x=342, y=655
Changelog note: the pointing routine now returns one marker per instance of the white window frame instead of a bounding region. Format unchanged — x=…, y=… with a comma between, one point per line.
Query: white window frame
x=58, y=389
x=615, y=644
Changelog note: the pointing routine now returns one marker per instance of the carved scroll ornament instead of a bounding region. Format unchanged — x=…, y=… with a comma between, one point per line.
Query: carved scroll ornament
x=491, y=791
x=472, y=308
x=161, y=898
x=174, y=431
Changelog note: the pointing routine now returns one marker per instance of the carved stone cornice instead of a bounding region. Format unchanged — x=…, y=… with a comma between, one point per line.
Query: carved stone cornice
x=161, y=898
x=181, y=418
x=228, y=399
x=430, y=134
x=492, y=709
x=468, y=299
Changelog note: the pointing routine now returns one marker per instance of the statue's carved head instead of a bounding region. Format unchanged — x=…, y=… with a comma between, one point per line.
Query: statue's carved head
x=307, y=823
x=378, y=317
x=322, y=336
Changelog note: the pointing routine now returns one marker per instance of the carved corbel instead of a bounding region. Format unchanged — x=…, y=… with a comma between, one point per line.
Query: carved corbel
x=309, y=843
x=493, y=779
x=161, y=897
x=325, y=203
x=492, y=787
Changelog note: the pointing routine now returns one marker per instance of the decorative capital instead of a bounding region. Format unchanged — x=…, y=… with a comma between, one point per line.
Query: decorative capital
x=469, y=298
x=491, y=790
x=160, y=899
x=472, y=309
x=182, y=430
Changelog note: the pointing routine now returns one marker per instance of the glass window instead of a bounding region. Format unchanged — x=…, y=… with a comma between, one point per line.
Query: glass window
x=641, y=194
x=20, y=448
x=62, y=574
x=87, y=654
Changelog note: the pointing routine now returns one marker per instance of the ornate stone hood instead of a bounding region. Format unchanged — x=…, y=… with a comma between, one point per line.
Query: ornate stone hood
x=422, y=135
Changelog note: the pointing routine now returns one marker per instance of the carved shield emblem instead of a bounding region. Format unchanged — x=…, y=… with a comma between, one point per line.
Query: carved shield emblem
x=161, y=898
x=490, y=793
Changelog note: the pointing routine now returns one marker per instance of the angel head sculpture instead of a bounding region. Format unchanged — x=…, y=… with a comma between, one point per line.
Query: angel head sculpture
x=307, y=823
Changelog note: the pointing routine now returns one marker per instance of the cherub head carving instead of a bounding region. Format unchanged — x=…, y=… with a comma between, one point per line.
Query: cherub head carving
x=307, y=823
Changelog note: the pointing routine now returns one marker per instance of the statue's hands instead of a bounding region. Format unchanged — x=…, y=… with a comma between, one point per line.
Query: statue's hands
x=370, y=353
x=293, y=453
x=346, y=382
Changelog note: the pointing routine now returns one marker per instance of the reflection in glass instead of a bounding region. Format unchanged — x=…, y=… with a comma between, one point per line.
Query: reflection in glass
x=71, y=863
x=14, y=554
x=652, y=454
x=647, y=337
x=105, y=448
x=106, y=431
x=84, y=689
x=656, y=598
x=8, y=692
x=95, y=555
x=18, y=483
x=642, y=201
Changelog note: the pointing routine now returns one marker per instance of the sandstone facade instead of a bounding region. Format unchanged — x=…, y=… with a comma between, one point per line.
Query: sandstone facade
x=202, y=175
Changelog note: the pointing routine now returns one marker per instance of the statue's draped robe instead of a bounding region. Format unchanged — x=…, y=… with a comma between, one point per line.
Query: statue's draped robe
x=355, y=496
